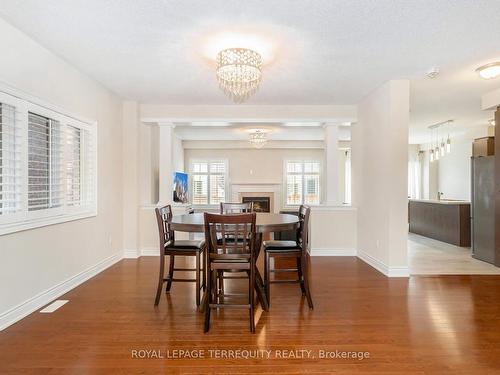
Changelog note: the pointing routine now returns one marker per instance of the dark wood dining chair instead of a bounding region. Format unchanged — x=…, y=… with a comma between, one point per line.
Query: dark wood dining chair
x=169, y=246
x=236, y=256
x=229, y=208
x=236, y=208
x=290, y=249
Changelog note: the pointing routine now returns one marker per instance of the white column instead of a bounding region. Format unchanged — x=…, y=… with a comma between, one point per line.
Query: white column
x=130, y=146
x=380, y=177
x=166, y=165
x=332, y=195
x=145, y=165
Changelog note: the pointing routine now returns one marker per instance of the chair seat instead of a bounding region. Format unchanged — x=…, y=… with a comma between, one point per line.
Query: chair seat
x=280, y=246
x=185, y=245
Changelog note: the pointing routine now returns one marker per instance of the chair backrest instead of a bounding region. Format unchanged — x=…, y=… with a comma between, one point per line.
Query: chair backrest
x=236, y=208
x=303, y=230
x=220, y=232
x=163, y=218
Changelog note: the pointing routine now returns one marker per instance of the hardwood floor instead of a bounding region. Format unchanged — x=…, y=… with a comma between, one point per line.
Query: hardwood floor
x=420, y=325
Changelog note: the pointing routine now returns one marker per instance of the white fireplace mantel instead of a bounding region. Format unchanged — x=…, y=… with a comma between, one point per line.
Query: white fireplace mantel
x=275, y=189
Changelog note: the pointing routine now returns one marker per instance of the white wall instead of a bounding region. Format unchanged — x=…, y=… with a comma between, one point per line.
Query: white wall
x=36, y=260
x=247, y=113
x=451, y=173
x=258, y=166
x=454, y=171
x=178, y=154
x=252, y=166
x=380, y=177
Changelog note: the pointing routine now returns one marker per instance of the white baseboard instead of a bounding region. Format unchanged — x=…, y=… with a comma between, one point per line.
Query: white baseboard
x=131, y=254
x=33, y=304
x=382, y=267
x=333, y=252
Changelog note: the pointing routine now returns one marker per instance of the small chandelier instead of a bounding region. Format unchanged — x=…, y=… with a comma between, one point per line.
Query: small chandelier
x=239, y=71
x=257, y=138
x=442, y=148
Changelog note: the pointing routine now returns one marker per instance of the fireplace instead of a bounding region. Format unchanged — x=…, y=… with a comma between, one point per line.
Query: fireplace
x=271, y=193
x=260, y=204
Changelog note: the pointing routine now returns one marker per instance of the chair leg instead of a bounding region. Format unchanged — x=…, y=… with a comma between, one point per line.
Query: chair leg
x=170, y=273
x=305, y=272
x=208, y=300
x=301, y=277
x=267, y=277
x=198, y=279
x=251, y=298
x=204, y=271
x=220, y=290
x=160, y=280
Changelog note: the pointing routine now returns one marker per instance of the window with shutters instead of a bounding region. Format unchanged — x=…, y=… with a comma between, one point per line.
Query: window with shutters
x=11, y=153
x=209, y=179
x=45, y=146
x=47, y=166
x=302, y=180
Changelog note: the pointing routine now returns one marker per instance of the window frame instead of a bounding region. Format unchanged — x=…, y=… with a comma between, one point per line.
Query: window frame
x=285, y=182
x=24, y=219
x=191, y=178
x=21, y=109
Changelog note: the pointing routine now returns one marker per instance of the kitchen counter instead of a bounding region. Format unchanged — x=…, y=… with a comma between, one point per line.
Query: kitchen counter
x=442, y=201
x=443, y=220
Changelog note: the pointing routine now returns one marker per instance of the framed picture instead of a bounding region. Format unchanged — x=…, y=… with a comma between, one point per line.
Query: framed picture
x=181, y=187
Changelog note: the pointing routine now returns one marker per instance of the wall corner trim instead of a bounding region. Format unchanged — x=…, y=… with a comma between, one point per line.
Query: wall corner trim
x=382, y=267
x=31, y=305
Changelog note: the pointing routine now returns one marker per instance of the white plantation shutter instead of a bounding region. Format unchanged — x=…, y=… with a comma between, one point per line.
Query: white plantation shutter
x=45, y=163
x=79, y=167
x=311, y=194
x=200, y=183
x=217, y=189
x=294, y=189
x=200, y=189
x=73, y=166
x=11, y=157
x=209, y=182
x=48, y=166
x=217, y=182
x=302, y=182
x=89, y=170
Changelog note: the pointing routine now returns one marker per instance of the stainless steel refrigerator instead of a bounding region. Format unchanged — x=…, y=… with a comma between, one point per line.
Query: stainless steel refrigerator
x=483, y=208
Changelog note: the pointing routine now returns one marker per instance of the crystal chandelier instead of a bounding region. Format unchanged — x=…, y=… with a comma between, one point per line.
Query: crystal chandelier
x=257, y=138
x=239, y=71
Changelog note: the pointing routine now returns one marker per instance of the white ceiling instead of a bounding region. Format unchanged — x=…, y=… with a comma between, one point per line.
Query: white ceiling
x=316, y=52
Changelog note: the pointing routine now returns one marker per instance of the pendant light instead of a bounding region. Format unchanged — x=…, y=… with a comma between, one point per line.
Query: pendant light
x=437, y=150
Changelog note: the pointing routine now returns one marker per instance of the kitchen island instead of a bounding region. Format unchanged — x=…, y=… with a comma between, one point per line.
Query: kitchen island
x=443, y=220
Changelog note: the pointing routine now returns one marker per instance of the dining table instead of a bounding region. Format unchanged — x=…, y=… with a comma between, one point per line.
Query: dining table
x=265, y=223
